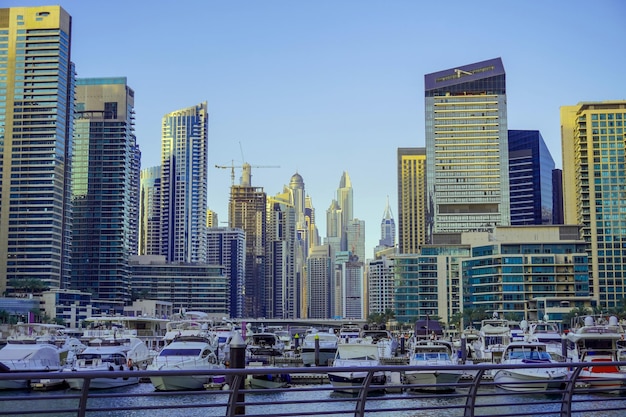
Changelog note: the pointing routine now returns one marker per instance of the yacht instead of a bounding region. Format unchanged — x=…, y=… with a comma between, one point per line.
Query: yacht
x=349, y=332
x=597, y=341
x=493, y=337
x=356, y=354
x=109, y=355
x=327, y=350
x=185, y=352
x=529, y=378
x=428, y=353
x=31, y=347
x=272, y=377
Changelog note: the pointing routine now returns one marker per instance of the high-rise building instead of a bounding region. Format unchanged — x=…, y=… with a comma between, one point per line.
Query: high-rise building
x=104, y=189
x=345, y=199
x=467, y=163
x=319, y=267
x=411, y=199
x=184, y=184
x=226, y=247
x=355, y=234
x=530, y=178
x=387, y=228
x=247, y=210
x=36, y=121
x=380, y=285
x=594, y=191
x=149, y=211
x=557, y=196
x=282, y=249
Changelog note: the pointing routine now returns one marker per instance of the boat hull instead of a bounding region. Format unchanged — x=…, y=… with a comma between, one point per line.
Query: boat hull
x=532, y=380
x=180, y=383
x=438, y=381
x=102, y=383
x=269, y=381
x=352, y=382
x=325, y=356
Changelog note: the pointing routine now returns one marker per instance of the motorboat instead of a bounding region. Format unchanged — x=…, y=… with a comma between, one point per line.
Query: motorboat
x=430, y=353
x=272, y=377
x=348, y=332
x=355, y=355
x=264, y=344
x=150, y=330
x=325, y=343
x=493, y=337
x=185, y=353
x=597, y=341
x=22, y=356
x=547, y=332
x=109, y=355
x=529, y=378
x=34, y=347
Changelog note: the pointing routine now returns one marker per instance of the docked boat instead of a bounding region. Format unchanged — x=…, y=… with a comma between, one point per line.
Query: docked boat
x=111, y=355
x=493, y=337
x=326, y=345
x=186, y=353
x=529, y=378
x=597, y=342
x=356, y=354
x=349, y=332
x=549, y=333
x=264, y=344
x=429, y=353
x=22, y=356
x=271, y=378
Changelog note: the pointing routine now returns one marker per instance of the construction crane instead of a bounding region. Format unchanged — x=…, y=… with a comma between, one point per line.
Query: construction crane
x=245, y=166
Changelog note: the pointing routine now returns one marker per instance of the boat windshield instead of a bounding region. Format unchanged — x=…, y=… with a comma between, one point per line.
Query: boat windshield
x=530, y=355
x=115, y=358
x=179, y=352
x=430, y=356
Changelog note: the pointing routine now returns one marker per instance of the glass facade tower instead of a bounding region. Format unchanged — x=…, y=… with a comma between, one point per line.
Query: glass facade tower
x=467, y=168
x=530, y=177
x=184, y=190
x=594, y=191
x=36, y=115
x=104, y=189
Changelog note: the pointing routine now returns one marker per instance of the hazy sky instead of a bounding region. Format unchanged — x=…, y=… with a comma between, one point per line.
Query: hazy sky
x=322, y=87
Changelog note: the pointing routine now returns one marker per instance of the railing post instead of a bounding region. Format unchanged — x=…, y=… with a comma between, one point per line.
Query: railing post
x=237, y=361
x=317, y=350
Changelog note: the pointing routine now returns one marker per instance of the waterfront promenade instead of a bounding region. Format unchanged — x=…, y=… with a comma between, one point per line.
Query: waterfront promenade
x=472, y=397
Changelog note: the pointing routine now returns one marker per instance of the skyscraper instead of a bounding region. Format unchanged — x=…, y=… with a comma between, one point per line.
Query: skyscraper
x=104, y=189
x=149, y=213
x=594, y=191
x=36, y=116
x=226, y=246
x=184, y=184
x=530, y=178
x=247, y=210
x=411, y=199
x=467, y=164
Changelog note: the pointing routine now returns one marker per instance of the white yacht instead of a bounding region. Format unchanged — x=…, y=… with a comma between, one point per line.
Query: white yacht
x=597, y=342
x=327, y=341
x=356, y=354
x=22, y=354
x=185, y=353
x=109, y=355
x=493, y=337
x=428, y=353
x=529, y=378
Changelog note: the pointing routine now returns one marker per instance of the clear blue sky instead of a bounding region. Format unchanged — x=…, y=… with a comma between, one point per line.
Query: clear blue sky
x=322, y=87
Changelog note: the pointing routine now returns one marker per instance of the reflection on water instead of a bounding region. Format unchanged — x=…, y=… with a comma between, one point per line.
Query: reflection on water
x=172, y=404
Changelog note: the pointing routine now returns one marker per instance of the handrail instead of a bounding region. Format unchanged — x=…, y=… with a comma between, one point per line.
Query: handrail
x=470, y=397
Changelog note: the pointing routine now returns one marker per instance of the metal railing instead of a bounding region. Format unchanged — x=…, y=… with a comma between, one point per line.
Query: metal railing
x=310, y=394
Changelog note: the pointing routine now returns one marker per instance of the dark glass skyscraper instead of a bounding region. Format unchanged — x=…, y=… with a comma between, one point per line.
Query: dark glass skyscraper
x=105, y=176
x=530, y=178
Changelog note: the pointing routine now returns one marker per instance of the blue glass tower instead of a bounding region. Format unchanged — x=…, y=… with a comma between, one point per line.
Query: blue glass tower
x=530, y=178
